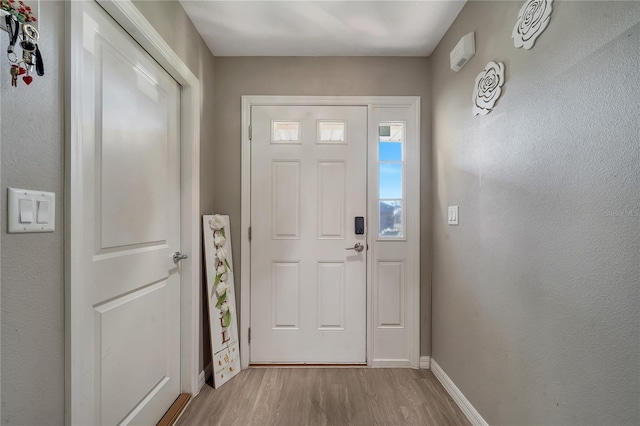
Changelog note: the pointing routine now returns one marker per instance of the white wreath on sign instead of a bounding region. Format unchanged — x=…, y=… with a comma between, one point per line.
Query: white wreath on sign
x=222, y=267
x=533, y=18
x=488, y=88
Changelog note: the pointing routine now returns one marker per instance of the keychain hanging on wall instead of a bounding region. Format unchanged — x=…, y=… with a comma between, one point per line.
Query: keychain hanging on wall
x=18, y=22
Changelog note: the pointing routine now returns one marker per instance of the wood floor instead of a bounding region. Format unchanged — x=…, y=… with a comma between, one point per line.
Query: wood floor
x=326, y=396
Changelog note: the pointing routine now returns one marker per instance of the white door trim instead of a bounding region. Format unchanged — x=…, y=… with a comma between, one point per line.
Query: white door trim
x=129, y=17
x=413, y=227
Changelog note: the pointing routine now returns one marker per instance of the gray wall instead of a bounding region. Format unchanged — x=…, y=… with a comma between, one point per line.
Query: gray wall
x=32, y=157
x=357, y=76
x=536, y=293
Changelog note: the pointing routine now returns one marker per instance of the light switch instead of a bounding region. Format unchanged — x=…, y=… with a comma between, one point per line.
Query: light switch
x=42, y=215
x=26, y=210
x=31, y=211
x=453, y=215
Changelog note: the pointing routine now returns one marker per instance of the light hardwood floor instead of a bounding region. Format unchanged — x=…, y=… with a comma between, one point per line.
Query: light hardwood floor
x=326, y=396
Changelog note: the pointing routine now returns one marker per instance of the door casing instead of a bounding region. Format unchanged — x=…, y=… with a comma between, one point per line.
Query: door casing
x=412, y=106
x=136, y=25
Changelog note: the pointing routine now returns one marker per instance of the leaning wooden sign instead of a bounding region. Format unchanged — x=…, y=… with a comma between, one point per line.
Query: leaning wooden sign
x=222, y=301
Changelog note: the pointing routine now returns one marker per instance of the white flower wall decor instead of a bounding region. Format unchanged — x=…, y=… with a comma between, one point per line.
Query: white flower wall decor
x=488, y=88
x=221, y=293
x=533, y=18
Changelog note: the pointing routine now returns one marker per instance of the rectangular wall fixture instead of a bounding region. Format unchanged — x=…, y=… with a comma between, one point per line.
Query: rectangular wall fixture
x=31, y=211
x=452, y=215
x=463, y=52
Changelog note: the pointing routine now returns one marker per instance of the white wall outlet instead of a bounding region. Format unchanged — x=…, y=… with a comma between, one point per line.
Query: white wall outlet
x=31, y=211
x=453, y=215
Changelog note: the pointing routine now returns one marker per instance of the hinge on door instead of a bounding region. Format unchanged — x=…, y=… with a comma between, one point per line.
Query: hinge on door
x=250, y=132
x=249, y=233
x=249, y=335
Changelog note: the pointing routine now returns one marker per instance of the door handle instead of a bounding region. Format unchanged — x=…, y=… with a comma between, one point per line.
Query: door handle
x=177, y=257
x=358, y=247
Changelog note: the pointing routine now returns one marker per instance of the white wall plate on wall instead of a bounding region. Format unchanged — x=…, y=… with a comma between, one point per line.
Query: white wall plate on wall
x=452, y=216
x=463, y=52
x=31, y=211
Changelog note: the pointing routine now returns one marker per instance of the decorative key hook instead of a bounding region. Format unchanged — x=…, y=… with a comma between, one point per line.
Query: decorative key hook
x=31, y=32
x=18, y=23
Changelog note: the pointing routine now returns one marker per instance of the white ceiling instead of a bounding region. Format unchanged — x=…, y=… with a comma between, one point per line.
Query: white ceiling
x=322, y=28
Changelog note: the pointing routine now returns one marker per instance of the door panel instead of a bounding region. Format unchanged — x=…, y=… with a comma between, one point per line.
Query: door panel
x=308, y=293
x=133, y=351
x=331, y=199
x=285, y=281
x=331, y=289
x=131, y=222
x=285, y=214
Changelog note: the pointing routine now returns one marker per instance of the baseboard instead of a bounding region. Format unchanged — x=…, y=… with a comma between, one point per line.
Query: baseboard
x=202, y=377
x=469, y=410
x=207, y=370
x=391, y=363
x=425, y=363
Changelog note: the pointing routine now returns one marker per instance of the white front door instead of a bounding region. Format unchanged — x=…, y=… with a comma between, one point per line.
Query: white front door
x=129, y=320
x=308, y=184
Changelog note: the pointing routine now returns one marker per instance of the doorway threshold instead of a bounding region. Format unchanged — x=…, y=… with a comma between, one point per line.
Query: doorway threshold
x=301, y=365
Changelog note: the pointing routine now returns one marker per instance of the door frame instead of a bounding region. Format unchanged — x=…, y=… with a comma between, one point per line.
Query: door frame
x=413, y=226
x=138, y=27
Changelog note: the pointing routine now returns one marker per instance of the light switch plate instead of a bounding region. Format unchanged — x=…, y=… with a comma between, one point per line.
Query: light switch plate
x=453, y=215
x=40, y=213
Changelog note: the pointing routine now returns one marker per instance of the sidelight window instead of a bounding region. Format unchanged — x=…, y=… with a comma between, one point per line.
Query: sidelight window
x=391, y=167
